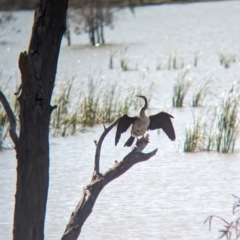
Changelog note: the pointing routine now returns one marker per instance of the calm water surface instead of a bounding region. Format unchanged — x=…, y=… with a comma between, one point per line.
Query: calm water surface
x=171, y=195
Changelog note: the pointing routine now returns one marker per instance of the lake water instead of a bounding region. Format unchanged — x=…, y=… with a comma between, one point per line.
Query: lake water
x=169, y=196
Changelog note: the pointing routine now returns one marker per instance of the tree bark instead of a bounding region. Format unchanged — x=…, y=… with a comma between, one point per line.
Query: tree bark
x=99, y=181
x=38, y=69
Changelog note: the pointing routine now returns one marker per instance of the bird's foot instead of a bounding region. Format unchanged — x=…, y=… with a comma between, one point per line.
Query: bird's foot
x=134, y=147
x=145, y=138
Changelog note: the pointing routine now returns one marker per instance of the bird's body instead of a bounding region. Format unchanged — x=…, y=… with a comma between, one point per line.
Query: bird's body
x=142, y=123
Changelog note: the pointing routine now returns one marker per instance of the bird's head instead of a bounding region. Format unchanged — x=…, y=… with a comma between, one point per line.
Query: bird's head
x=141, y=96
x=145, y=100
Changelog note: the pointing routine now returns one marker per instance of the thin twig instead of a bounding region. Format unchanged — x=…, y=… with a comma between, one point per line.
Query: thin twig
x=11, y=118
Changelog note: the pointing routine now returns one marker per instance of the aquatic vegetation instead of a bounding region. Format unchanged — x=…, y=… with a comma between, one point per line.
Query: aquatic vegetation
x=228, y=124
x=231, y=229
x=180, y=88
x=220, y=129
x=4, y=126
x=111, y=62
x=101, y=104
x=195, y=135
x=59, y=115
x=195, y=62
x=200, y=93
x=175, y=62
x=124, y=65
x=4, y=122
x=226, y=59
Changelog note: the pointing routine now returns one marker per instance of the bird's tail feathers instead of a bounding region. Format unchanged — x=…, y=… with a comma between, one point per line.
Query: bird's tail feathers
x=129, y=142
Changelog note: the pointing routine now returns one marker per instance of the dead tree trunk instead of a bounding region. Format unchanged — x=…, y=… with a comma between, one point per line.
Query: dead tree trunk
x=99, y=181
x=38, y=70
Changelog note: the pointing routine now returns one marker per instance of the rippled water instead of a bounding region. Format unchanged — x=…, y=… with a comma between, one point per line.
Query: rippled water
x=169, y=196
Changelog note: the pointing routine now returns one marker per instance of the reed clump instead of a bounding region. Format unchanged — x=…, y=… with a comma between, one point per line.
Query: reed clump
x=175, y=62
x=228, y=123
x=4, y=122
x=4, y=126
x=124, y=65
x=219, y=130
x=200, y=93
x=60, y=121
x=180, y=88
x=226, y=59
x=195, y=136
x=98, y=104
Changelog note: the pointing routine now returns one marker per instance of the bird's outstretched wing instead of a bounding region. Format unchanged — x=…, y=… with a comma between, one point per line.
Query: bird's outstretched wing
x=124, y=123
x=163, y=120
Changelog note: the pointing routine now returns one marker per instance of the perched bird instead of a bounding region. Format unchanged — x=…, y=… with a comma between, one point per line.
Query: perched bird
x=142, y=123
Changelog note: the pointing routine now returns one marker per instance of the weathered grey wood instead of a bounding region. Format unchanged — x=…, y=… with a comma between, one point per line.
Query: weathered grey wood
x=99, y=145
x=38, y=69
x=99, y=181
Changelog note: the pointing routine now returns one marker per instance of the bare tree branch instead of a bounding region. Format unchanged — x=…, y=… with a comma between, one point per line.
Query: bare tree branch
x=11, y=117
x=99, y=145
x=99, y=181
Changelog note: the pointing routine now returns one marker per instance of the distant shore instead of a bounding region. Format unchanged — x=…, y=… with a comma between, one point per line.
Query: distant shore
x=30, y=4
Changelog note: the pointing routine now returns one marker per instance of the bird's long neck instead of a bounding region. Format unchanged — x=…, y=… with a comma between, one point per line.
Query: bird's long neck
x=144, y=107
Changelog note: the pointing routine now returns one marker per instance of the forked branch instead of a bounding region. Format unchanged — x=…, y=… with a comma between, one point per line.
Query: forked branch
x=99, y=181
x=11, y=117
x=99, y=146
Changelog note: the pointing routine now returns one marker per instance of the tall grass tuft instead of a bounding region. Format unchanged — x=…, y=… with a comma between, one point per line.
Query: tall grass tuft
x=226, y=59
x=4, y=122
x=195, y=135
x=111, y=62
x=124, y=65
x=219, y=130
x=112, y=54
x=228, y=123
x=98, y=104
x=58, y=124
x=195, y=62
x=89, y=104
x=4, y=126
x=180, y=88
x=200, y=93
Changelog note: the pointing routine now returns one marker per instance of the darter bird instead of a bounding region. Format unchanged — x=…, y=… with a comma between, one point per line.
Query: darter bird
x=142, y=123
